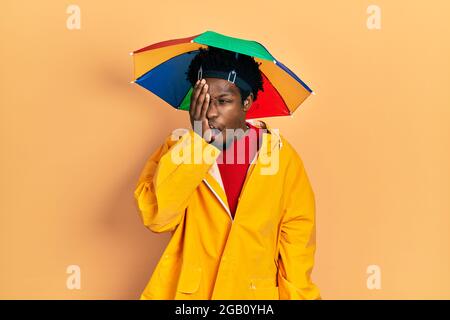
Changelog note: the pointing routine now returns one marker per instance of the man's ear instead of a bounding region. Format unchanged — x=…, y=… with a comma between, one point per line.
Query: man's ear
x=248, y=102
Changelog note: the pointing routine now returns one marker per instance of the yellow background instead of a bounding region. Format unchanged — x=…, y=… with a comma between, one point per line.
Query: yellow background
x=75, y=134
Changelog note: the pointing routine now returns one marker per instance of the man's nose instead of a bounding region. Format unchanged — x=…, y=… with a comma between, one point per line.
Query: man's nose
x=212, y=110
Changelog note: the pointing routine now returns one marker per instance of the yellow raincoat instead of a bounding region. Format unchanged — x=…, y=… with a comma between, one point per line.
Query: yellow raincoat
x=266, y=252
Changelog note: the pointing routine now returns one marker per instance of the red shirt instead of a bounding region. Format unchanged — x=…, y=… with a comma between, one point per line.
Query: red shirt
x=234, y=172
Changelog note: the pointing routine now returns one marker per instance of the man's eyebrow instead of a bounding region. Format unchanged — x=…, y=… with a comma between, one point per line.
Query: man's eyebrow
x=226, y=92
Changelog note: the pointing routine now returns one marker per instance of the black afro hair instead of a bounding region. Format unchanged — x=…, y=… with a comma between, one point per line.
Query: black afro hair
x=224, y=60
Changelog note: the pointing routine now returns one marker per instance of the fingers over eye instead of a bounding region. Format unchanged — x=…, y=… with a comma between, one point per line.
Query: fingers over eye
x=205, y=106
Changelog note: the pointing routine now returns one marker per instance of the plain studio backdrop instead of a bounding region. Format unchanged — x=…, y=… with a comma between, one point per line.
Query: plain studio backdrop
x=75, y=135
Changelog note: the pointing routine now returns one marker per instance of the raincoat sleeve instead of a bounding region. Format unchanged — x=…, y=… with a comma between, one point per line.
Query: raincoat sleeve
x=297, y=241
x=169, y=178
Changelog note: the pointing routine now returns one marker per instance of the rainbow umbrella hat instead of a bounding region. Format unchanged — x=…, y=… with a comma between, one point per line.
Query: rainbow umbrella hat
x=160, y=68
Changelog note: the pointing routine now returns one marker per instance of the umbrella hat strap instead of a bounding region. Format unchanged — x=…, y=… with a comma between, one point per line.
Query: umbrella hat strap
x=230, y=76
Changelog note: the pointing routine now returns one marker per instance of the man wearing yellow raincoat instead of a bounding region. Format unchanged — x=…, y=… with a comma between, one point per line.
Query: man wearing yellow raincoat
x=256, y=243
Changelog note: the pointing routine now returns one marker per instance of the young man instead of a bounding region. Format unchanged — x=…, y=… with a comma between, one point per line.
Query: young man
x=240, y=229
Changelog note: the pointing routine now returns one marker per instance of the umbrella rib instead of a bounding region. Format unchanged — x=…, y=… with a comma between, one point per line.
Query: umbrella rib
x=291, y=73
x=156, y=66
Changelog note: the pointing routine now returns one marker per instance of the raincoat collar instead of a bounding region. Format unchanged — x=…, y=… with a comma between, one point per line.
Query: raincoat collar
x=270, y=140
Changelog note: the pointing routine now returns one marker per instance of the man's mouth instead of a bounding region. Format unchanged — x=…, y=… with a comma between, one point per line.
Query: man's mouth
x=214, y=131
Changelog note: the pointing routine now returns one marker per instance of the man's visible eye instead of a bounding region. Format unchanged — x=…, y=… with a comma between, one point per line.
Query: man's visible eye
x=221, y=101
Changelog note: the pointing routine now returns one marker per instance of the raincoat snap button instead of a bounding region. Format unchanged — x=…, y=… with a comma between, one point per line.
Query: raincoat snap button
x=253, y=286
